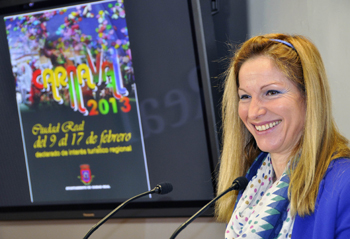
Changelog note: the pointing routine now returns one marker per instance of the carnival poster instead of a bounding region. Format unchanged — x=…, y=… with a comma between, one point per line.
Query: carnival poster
x=77, y=103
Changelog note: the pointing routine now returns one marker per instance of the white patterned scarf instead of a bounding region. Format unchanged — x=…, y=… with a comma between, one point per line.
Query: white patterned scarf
x=263, y=211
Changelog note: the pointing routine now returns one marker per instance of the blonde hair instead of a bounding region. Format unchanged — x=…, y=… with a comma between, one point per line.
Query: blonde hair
x=320, y=143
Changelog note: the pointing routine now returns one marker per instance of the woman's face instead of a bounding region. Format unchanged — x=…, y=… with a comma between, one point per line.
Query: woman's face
x=271, y=106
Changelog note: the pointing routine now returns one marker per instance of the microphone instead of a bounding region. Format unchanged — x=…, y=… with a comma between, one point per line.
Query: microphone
x=161, y=188
x=239, y=183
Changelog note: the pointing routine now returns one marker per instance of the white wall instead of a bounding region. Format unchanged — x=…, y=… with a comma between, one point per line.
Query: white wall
x=326, y=23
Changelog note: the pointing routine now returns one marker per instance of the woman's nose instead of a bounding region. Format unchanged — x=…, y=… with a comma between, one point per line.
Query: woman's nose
x=256, y=108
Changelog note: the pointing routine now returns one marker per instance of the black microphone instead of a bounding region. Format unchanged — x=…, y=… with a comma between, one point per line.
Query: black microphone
x=161, y=188
x=239, y=183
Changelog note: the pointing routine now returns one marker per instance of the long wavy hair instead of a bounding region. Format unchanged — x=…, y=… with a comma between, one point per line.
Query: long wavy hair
x=320, y=142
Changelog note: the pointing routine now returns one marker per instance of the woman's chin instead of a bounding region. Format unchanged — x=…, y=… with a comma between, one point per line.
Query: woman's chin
x=268, y=147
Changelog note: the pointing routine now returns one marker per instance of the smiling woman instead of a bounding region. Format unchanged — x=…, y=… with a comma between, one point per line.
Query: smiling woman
x=279, y=131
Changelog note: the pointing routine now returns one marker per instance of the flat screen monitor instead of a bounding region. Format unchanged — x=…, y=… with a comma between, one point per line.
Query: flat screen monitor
x=101, y=101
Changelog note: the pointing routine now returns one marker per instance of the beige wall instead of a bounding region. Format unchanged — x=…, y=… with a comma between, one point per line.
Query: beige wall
x=115, y=228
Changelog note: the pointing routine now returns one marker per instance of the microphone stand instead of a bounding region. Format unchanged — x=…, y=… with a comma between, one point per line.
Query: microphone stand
x=103, y=220
x=184, y=225
x=239, y=183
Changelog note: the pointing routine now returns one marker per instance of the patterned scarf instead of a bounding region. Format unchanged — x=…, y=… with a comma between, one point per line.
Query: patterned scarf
x=263, y=210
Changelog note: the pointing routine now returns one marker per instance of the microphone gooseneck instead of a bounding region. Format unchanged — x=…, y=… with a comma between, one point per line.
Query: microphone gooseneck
x=161, y=188
x=239, y=183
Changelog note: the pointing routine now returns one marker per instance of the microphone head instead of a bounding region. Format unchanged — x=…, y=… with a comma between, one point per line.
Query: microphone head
x=240, y=183
x=164, y=188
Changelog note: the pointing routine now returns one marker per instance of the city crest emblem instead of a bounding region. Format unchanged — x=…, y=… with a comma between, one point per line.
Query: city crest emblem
x=85, y=174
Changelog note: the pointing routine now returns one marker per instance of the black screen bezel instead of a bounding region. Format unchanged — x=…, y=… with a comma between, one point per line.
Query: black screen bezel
x=135, y=209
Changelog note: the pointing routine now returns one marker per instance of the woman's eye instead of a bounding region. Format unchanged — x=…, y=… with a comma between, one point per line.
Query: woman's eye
x=272, y=92
x=242, y=97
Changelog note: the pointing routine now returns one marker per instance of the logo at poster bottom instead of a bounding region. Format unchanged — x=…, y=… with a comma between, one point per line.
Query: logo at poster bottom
x=85, y=174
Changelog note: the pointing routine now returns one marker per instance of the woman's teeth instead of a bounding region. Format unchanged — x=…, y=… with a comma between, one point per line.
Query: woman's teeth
x=267, y=126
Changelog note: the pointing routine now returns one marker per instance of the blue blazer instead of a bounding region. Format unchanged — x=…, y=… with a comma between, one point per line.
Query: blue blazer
x=331, y=218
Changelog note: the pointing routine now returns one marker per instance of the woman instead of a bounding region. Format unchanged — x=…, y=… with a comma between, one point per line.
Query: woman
x=279, y=131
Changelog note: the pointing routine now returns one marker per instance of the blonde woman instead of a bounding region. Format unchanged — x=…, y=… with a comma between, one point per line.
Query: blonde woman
x=280, y=133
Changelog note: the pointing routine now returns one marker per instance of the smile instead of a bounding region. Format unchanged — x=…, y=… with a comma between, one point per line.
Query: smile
x=267, y=126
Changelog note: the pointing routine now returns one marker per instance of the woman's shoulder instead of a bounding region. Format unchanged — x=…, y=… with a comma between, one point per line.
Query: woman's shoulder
x=339, y=167
x=337, y=176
